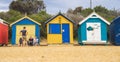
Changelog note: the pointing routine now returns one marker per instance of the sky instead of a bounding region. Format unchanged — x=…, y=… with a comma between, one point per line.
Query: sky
x=54, y=6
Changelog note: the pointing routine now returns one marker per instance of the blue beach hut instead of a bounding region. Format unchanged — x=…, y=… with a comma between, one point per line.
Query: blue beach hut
x=32, y=27
x=93, y=30
x=115, y=31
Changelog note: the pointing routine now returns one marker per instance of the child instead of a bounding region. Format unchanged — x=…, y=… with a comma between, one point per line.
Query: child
x=35, y=41
x=21, y=41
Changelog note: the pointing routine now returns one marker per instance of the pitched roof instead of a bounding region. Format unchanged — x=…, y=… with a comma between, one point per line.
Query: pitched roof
x=3, y=21
x=58, y=15
x=116, y=19
x=24, y=18
x=92, y=16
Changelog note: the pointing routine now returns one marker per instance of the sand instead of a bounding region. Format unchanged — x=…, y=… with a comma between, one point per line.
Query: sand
x=60, y=53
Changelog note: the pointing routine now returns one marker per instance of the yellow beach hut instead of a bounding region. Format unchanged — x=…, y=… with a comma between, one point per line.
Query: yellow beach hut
x=59, y=29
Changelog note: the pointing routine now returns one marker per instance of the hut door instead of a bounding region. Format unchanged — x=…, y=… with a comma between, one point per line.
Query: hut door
x=30, y=29
x=65, y=33
x=93, y=32
x=117, y=35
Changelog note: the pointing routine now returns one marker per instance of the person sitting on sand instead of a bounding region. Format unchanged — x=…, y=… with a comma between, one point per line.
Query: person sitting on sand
x=30, y=42
x=35, y=41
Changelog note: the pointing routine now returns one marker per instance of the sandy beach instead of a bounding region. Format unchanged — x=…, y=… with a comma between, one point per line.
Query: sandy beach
x=60, y=53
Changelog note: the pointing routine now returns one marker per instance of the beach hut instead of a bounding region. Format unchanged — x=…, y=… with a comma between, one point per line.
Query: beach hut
x=3, y=32
x=93, y=30
x=32, y=27
x=115, y=31
x=59, y=29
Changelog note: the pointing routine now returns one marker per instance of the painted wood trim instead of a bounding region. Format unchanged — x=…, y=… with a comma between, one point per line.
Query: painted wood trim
x=13, y=35
x=3, y=22
x=97, y=16
x=59, y=14
x=24, y=18
x=97, y=42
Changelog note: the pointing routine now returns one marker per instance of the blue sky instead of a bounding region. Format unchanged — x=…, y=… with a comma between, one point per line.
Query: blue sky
x=4, y=4
x=53, y=6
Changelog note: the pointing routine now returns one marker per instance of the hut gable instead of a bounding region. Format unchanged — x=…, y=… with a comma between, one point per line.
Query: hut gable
x=94, y=15
x=25, y=20
x=59, y=15
x=3, y=21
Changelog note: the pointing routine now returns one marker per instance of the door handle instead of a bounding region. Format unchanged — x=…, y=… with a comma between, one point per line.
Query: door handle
x=63, y=30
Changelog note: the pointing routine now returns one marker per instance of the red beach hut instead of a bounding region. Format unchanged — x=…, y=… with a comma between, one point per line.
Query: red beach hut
x=3, y=32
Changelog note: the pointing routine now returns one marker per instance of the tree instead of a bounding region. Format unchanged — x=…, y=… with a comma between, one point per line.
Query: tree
x=77, y=10
x=86, y=12
x=27, y=6
x=11, y=16
x=101, y=9
x=70, y=11
x=75, y=14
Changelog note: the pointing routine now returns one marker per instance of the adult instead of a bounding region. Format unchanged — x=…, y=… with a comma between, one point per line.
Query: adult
x=24, y=33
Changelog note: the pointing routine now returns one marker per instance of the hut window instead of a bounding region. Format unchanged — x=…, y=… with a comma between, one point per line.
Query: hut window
x=54, y=29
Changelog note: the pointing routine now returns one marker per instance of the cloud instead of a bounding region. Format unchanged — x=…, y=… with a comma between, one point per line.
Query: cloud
x=4, y=10
x=4, y=5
